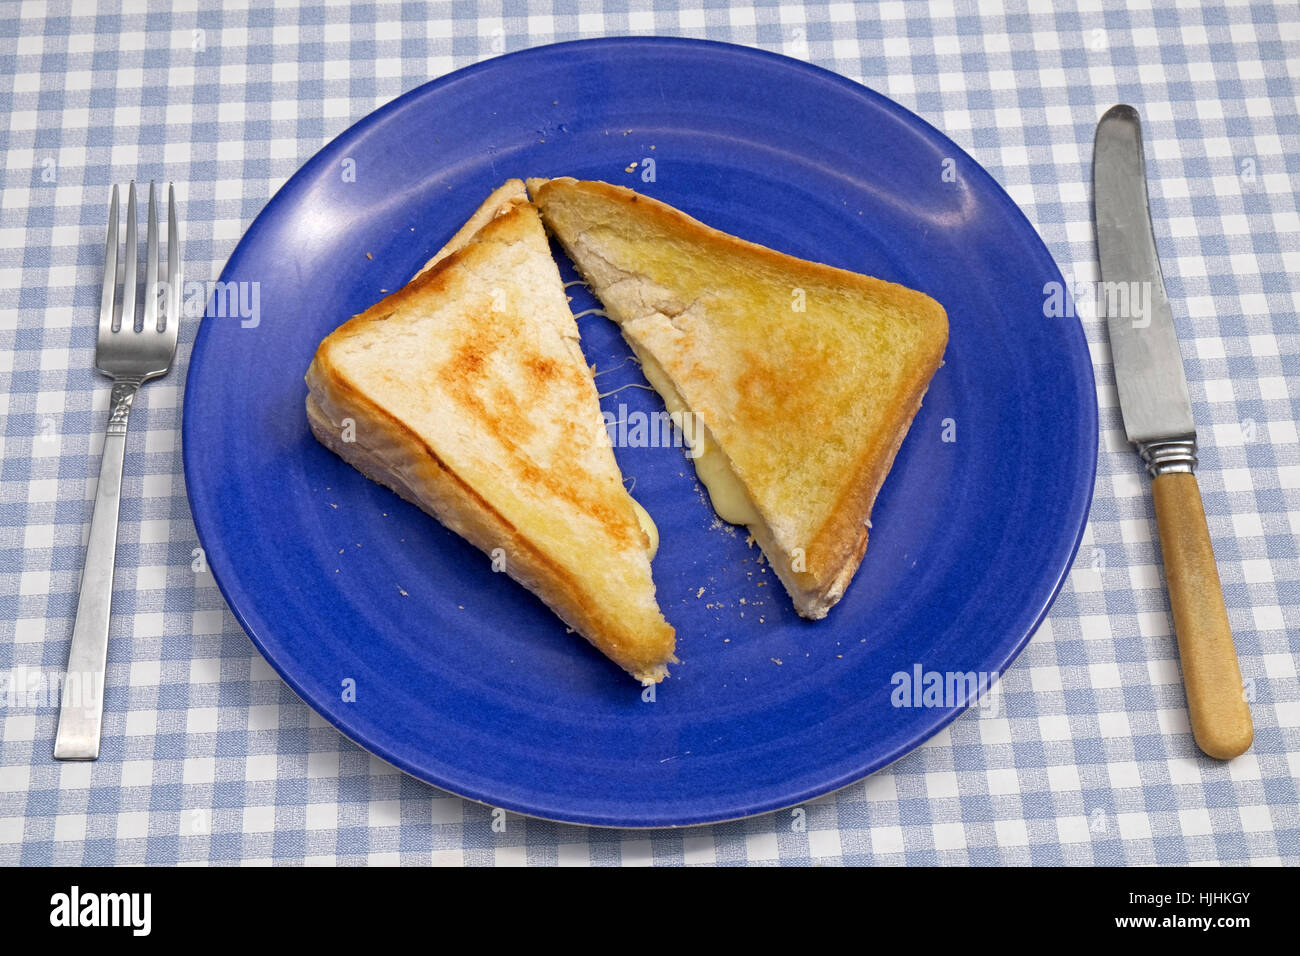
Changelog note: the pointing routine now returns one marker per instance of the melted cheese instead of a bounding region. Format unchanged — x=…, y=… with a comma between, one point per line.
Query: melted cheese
x=648, y=526
x=730, y=500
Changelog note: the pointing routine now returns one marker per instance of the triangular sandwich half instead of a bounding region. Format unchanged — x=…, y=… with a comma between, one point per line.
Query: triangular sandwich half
x=469, y=396
x=798, y=381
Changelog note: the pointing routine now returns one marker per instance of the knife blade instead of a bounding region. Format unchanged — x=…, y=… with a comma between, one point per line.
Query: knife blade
x=1158, y=420
x=1148, y=364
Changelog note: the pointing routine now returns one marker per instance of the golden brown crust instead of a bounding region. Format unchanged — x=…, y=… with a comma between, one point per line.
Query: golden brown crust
x=440, y=492
x=672, y=221
x=841, y=542
x=613, y=608
x=428, y=279
x=502, y=199
x=766, y=386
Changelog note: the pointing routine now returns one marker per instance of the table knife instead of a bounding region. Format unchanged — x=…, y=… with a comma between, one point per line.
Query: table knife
x=1158, y=420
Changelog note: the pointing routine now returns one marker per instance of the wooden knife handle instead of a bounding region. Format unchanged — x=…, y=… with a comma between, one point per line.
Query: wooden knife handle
x=1215, y=697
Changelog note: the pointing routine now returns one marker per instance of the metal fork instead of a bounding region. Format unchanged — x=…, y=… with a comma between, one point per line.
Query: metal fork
x=130, y=357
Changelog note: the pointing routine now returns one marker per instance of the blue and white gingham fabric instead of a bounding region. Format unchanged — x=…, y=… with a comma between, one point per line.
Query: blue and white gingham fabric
x=209, y=758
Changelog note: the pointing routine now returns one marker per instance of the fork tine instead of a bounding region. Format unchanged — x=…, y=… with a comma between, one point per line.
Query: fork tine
x=173, y=317
x=110, y=268
x=127, y=304
x=151, y=266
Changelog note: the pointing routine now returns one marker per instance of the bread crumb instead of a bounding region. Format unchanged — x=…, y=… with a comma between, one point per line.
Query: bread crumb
x=369, y=256
x=718, y=524
x=777, y=661
x=402, y=593
x=699, y=594
x=334, y=506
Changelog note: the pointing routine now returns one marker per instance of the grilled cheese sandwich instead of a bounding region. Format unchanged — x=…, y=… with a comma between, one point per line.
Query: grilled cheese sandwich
x=801, y=379
x=471, y=398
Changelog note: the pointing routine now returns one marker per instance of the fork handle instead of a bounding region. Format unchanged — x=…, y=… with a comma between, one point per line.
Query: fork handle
x=81, y=706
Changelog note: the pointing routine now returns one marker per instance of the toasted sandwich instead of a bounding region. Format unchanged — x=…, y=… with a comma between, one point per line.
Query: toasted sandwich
x=467, y=394
x=799, y=381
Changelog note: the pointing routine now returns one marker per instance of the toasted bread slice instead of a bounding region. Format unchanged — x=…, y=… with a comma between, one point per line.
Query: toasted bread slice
x=798, y=380
x=470, y=397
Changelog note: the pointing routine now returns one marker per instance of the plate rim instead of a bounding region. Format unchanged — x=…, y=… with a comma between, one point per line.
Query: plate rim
x=1079, y=512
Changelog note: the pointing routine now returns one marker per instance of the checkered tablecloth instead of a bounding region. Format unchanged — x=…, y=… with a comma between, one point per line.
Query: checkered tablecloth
x=209, y=757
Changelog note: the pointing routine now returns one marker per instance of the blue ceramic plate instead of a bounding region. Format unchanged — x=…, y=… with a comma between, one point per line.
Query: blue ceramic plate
x=462, y=678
